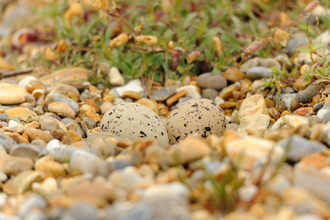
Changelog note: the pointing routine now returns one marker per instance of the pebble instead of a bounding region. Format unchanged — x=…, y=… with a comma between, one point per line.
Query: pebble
x=307, y=95
x=246, y=151
x=58, y=97
x=192, y=91
x=48, y=123
x=13, y=165
x=131, y=94
x=134, y=85
x=20, y=111
x=51, y=167
x=86, y=162
x=81, y=211
x=164, y=93
x=252, y=105
x=256, y=121
x=210, y=94
x=324, y=115
x=61, y=109
x=11, y=94
x=22, y=182
x=211, y=81
x=28, y=150
x=299, y=147
x=148, y=103
x=258, y=72
x=33, y=202
x=115, y=78
x=128, y=178
x=233, y=75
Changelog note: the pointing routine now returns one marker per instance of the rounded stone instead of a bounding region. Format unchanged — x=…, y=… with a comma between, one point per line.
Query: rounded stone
x=201, y=116
x=62, y=109
x=11, y=94
x=211, y=81
x=132, y=120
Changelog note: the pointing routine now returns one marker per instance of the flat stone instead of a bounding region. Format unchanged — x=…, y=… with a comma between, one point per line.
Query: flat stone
x=252, y=105
x=129, y=179
x=258, y=72
x=62, y=109
x=233, y=74
x=210, y=94
x=51, y=167
x=57, y=97
x=12, y=165
x=71, y=137
x=22, y=182
x=187, y=150
x=192, y=91
x=28, y=150
x=33, y=202
x=11, y=94
x=116, y=79
x=300, y=147
x=65, y=89
x=295, y=121
x=148, y=103
x=255, y=121
x=307, y=95
x=164, y=93
x=7, y=142
x=211, y=81
x=48, y=123
x=20, y=111
x=86, y=162
x=245, y=152
x=34, y=134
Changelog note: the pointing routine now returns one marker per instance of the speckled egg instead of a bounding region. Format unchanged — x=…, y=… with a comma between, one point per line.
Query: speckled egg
x=132, y=120
x=201, y=116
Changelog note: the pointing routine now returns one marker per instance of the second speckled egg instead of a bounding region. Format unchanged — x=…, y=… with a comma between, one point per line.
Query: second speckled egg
x=201, y=116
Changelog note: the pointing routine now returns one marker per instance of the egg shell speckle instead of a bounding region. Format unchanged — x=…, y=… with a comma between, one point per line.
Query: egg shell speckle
x=133, y=120
x=201, y=116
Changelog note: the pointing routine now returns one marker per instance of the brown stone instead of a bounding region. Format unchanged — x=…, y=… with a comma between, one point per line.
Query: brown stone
x=109, y=98
x=316, y=132
x=131, y=94
x=22, y=182
x=303, y=111
x=269, y=103
x=18, y=138
x=20, y=111
x=233, y=74
x=297, y=85
x=106, y=106
x=13, y=165
x=52, y=167
x=227, y=92
x=92, y=103
x=32, y=85
x=33, y=124
x=71, y=137
x=315, y=159
x=227, y=105
x=62, y=109
x=93, y=115
x=245, y=85
x=174, y=98
x=34, y=134
x=150, y=104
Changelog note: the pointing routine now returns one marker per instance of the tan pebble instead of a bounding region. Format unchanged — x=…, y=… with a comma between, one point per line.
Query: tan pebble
x=298, y=84
x=258, y=210
x=163, y=109
x=32, y=85
x=78, y=120
x=61, y=109
x=227, y=105
x=316, y=132
x=57, y=134
x=233, y=74
x=2, y=111
x=18, y=138
x=13, y=165
x=285, y=112
x=73, y=96
x=245, y=85
x=194, y=83
x=91, y=103
x=20, y=111
x=131, y=94
x=92, y=89
x=315, y=159
x=106, y=106
x=22, y=182
x=71, y=137
x=125, y=143
x=303, y=111
x=52, y=167
x=269, y=103
x=33, y=124
x=227, y=92
x=150, y=104
x=34, y=134
x=174, y=98
x=252, y=105
x=62, y=200
x=187, y=150
x=37, y=93
x=11, y=94
x=94, y=116
x=109, y=98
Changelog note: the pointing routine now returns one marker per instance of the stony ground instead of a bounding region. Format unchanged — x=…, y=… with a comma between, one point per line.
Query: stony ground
x=72, y=150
